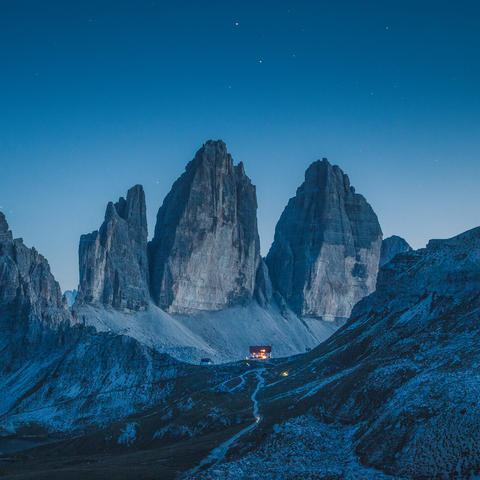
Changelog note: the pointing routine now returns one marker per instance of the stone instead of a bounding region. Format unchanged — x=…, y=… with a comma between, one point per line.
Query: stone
x=113, y=260
x=205, y=251
x=326, y=248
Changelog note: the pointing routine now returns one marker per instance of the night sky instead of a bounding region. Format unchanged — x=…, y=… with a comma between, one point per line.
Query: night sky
x=96, y=96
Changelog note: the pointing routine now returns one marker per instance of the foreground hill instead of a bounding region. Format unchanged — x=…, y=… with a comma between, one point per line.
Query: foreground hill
x=396, y=388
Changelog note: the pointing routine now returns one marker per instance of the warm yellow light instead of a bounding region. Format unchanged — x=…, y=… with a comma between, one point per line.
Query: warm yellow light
x=284, y=374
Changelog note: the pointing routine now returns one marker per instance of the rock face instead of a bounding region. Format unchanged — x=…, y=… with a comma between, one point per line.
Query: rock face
x=29, y=293
x=263, y=285
x=326, y=249
x=205, y=251
x=113, y=260
x=70, y=296
x=391, y=246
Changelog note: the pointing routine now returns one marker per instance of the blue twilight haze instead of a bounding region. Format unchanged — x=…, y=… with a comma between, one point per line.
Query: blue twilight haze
x=97, y=96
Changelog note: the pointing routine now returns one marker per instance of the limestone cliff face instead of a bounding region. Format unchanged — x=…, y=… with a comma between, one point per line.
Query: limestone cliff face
x=392, y=246
x=29, y=293
x=113, y=260
x=326, y=249
x=205, y=251
x=263, y=285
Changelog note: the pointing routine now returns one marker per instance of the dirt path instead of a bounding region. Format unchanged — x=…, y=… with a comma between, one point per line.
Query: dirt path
x=223, y=385
x=218, y=453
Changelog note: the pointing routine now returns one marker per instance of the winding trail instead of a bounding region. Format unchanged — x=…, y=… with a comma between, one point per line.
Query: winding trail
x=218, y=453
x=223, y=385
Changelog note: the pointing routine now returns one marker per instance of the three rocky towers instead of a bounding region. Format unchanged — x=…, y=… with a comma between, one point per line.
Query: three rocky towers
x=205, y=252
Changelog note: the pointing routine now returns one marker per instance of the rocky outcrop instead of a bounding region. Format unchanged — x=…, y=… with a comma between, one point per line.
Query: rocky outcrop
x=263, y=285
x=326, y=249
x=113, y=260
x=205, y=251
x=29, y=294
x=392, y=246
x=70, y=296
x=5, y=233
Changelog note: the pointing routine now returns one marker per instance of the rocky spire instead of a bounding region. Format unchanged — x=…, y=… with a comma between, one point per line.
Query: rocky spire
x=5, y=233
x=326, y=249
x=205, y=251
x=392, y=246
x=113, y=260
x=3, y=223
x=28, y=290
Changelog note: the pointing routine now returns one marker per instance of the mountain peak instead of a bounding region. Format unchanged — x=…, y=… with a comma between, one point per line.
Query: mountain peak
x=321, y=174
x=218, y=144
x=326, y=248
x=212, y=154
x=391, y=247
x=5, y=233
x=3, y=223
x=26, y=280
x=113, y=260
x=205, y=251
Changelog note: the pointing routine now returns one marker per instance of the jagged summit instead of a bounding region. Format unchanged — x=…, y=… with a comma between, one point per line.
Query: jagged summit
x=392, y=246
x=5, y=233
x=113, y=260
x=205, y=251
x=27, y=286
x=3, y=223
x=326, y=248
x=212, y=151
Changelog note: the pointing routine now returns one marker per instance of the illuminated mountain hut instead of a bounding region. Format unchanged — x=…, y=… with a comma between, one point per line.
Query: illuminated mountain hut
x=260, y=352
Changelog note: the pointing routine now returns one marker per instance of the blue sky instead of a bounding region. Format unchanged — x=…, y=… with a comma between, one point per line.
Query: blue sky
x=97, y=96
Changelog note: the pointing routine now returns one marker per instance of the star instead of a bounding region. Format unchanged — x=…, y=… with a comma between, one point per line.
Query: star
x=236, y=24
x=260, y=60
x=387, y=28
